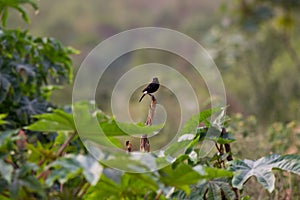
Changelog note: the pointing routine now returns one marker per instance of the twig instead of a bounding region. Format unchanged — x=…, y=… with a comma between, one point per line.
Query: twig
x=84, y=190
x=2, y=14
x=229, y=158
x=158, y=195
x=11, y=163
x=227, y=146
x=289, y=191
x=128, y=146
x=216, y=144
x=65, y=144
x=79, y=188
x=151, y=111
x=144, y=142
x=45, y=173
x=61, y=187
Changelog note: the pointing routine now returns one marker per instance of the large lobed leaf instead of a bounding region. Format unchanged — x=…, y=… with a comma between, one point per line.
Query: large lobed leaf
x=59, y=120
x=262, y=169
x=184, y=175
x=70, y=166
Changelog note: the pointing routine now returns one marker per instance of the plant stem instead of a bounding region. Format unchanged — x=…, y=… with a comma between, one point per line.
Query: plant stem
x=144, y=142
x=79, y=188
x=158, y=195
x=44, y=173
x=84, y=190
x=65, y=144
x=151, y=111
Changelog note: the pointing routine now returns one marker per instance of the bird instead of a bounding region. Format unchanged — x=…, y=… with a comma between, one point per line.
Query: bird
x=151, y=88
x=128, y=146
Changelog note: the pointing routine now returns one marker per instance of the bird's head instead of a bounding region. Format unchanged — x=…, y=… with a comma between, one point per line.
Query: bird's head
x=155, y=80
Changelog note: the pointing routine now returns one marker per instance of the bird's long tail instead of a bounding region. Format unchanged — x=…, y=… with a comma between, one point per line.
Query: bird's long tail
x=142, y=97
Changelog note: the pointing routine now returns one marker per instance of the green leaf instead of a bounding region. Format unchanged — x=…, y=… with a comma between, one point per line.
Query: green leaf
x=114, y=128
x=211, y=183
x=145, y=180
x=23, y=177
x=68, y=167
x=4, y=16
x=223, y=139
x=2, y=116
x=104, y=189
x=214, y=189
x=180, y=177
x=56, y=121
x=262, y=169
x=26, y=65
x=90, y=121
x=133, y=162
x=191, y=125
x=6, y=136
x=33, y=184
x=6, y=170
x=131, y=186
x=246, y=198
x=92, y=170
x=137, y=184
x=214, y=192
x=5, y=86
x=62, y=175
x=64, y=169
x=211, y=173
x=290, y=163
x=3, y=187
x=17, y=5
x=189, y=131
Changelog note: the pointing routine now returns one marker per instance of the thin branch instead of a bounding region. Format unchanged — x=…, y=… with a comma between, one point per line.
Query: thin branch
x=45, y=173
x=61, y=187
x=11, y=163
x=2, y=14
x=41, y=162
x=84, y=190
x=128, y=146
x=144, y=142
x=216, y=144
x=65, y=144
x=229, y=158
x=151, y=111
x=79, y=187
x=158, y=195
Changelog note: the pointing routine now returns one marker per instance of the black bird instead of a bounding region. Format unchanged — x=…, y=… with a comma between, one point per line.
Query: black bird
x=151, y=88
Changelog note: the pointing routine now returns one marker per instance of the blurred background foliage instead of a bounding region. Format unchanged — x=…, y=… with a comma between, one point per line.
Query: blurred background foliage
x=255, y=44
